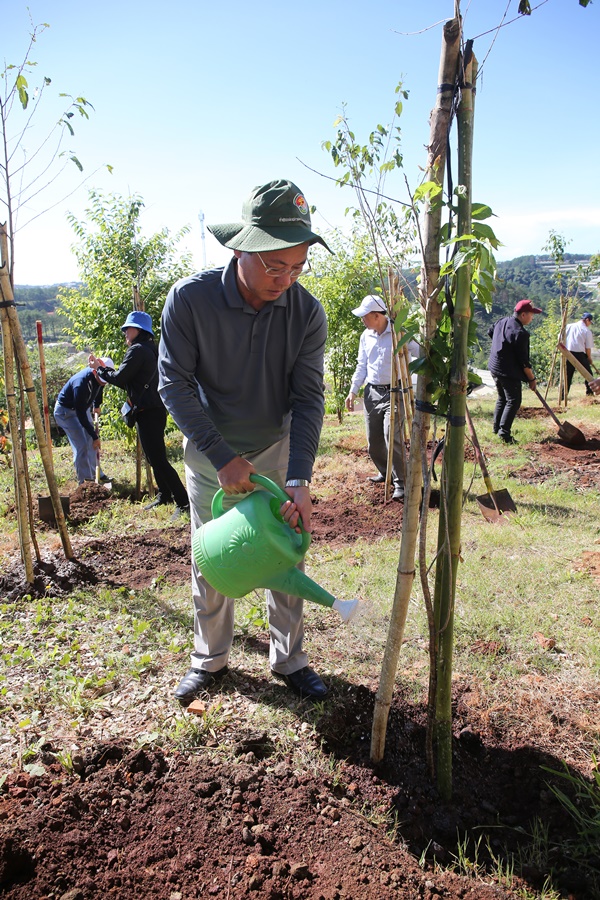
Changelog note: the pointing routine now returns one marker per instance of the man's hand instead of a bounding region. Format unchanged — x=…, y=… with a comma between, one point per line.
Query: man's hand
x=299, y=507
x=350, y=401
x=595, y=385
x=533, y=384
x=234, y=478
x=96, y=445
x=93, y=361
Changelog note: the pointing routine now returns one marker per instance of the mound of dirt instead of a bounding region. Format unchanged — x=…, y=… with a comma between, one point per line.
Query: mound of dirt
x=144, y=823
x=134, y=561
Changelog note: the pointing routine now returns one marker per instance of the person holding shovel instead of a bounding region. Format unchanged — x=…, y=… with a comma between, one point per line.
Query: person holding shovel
x=138, y=375
x=510, y=366
x=374, y=367
x=580, y=341
x=241, y=363
x=73, y=413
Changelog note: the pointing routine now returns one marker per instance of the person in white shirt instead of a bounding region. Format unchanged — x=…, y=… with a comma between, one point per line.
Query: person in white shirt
x=580, y=341
x=374, y=369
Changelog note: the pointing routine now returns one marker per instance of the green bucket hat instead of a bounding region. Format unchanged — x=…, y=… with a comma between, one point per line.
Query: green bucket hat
x=275, y=216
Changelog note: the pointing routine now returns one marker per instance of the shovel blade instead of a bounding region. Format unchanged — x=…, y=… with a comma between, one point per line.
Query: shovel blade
x=46, y=509
x=504, y=502
x=571, y=435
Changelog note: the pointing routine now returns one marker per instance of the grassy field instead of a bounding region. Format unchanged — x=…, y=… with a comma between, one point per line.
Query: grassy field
x=102, y=662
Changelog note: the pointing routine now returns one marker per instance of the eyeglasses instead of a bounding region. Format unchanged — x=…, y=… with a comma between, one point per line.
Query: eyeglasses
x=279, y=271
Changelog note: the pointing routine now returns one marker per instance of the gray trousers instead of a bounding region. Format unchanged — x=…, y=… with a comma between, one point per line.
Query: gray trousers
x=213, y=612
x=377, y=422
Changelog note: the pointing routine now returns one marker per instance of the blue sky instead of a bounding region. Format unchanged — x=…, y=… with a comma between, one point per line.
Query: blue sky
x=197, y=102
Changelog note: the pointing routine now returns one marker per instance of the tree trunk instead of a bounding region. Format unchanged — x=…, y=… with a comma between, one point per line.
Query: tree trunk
x=420, y=427
x=454, y=454
x=19, y=466
x=10, y=309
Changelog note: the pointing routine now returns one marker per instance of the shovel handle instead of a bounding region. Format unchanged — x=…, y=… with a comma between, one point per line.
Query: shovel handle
x=480, y=459
x=575, y=362
x=547, y=408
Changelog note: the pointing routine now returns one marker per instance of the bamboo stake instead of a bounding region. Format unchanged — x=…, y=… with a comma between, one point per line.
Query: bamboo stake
x=21, y=351
x=430, y=282
x=392, y=431
x=23, y=431
x=454, y=456
x=40, y=340
x=11, y=402
x=138, y=304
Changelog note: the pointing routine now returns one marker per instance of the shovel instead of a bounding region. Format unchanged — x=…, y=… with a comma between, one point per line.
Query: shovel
x=579, y=366
x=106, y=484
x=45, y=505
x=496, y=506
x=566, y=432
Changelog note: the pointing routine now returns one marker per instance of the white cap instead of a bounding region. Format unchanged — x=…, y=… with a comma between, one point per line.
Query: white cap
x=106, y=363
x=370, y=304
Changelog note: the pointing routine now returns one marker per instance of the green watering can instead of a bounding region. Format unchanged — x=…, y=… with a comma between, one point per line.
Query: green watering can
x=251, y=546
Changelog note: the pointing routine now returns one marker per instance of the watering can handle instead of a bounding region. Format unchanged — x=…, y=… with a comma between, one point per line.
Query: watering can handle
x=279, y=493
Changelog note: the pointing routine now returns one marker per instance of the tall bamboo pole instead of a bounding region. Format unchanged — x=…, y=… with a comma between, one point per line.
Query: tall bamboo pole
x=10, y=309
x=449, y=534
x=138, y=303
x=40, y=340
x=23, y=432
x=19, y=466
x=439, y=125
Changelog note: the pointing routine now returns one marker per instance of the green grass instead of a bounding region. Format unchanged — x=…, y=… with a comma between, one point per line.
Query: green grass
x=105, y=661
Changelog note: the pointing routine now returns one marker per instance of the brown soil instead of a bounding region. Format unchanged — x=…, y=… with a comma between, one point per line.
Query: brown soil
x=158, y=825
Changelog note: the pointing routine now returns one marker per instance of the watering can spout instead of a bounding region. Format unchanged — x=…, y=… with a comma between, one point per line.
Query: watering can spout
x=298, y=584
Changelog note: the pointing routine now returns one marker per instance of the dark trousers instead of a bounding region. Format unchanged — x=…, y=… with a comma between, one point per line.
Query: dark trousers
x=583, y=359
x=151, y=429
x=510, y=395
x=377, y=421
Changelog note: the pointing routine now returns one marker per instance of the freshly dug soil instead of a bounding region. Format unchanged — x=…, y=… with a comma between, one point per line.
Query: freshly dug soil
x=231, y=820
x=154, y=825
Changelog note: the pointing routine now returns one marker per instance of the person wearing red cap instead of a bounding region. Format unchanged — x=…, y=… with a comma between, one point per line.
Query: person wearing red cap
x=510, y=366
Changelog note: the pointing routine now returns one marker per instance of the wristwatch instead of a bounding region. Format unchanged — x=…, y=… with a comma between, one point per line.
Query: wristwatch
x=297, y=482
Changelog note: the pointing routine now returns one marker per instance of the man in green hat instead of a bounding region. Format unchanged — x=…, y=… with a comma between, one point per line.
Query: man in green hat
x=241, y=372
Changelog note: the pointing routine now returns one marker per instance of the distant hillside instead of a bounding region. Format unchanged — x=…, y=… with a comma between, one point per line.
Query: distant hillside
x=35, y=302
x=526, y=276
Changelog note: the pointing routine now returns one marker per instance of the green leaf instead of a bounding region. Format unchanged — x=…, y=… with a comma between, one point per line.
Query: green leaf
x=480, y=211
x=21, y=84
x=429, y=189
x=77, y=163
x=484, y=232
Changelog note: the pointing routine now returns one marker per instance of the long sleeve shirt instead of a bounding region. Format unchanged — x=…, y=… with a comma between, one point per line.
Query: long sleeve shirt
x=237, y=380
x=137, y=374
x=509, y=356
x=81, y=393
x=374, y=361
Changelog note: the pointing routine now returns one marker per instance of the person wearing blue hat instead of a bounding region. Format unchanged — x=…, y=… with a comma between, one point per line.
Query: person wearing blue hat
x=138, y=375
x=580, y=341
